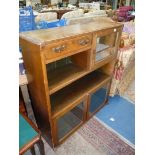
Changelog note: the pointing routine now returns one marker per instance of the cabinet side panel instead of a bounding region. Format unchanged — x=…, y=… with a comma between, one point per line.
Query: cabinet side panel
x=82, y=59
x=37, y=84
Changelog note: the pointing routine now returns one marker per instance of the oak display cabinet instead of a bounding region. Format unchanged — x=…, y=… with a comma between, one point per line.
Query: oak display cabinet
x=68, y=84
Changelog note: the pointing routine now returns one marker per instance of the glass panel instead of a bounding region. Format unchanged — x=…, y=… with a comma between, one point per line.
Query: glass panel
x=70, y=120
x=103, y=45
x=104, y=42
x=58, y=64
x=97, y=99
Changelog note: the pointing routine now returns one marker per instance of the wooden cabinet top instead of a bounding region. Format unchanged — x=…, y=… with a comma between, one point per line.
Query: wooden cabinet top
x=47, y=36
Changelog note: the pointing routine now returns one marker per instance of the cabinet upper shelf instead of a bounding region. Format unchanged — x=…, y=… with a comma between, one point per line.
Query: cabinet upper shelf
x=47, y=36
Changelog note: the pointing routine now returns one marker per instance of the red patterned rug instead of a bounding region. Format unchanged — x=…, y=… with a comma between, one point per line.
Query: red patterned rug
x=103, y=139
x=94, y=138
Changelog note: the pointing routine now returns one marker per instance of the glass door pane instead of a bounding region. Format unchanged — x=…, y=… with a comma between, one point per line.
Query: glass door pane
x=70, y=120
x=105, y=46
x=97, y=99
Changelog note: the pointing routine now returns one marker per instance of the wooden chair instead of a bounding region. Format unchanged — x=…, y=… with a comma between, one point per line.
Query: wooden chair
x=22, y=106
x=28, y=136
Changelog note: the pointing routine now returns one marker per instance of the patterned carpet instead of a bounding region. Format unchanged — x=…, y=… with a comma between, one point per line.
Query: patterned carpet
x=94, y=139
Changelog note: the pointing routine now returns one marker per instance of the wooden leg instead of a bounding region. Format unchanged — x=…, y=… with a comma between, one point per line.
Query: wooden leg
x=41, y=147
x=25, y=96
x=32, y=150
x=22, y=107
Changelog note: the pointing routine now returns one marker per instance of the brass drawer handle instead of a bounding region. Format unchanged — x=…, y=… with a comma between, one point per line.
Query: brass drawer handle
x=59, y=49
x=84, y=42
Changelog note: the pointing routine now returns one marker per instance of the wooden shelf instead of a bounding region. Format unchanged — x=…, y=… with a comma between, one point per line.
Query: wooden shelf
x=102, y=55
x=66, y=98
x=63, y=76
x=105, y=56
x=101, y=47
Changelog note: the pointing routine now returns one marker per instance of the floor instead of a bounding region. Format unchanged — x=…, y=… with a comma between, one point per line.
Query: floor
x=72, y=146
x=119, y=115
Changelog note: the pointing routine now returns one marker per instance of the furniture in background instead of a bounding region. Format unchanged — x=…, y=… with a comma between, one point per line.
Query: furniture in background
x=96, y=13
x=86, y=19
x=22, y=3
x=45, y=2
x=29, y=135
x=124, y=72
x=59, y=12
x=93, y=5
x=79, y=16
x=73, y=14
x=48, y=16
x=69, y=71
x=22, y=106
x=24, y=97
x=124, y=13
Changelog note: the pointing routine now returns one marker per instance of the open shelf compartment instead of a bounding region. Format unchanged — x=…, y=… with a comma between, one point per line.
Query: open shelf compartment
x=63, y=72
x=68, y=97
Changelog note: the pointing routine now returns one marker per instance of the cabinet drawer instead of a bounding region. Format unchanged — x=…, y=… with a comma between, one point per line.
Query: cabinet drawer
x=60, y=49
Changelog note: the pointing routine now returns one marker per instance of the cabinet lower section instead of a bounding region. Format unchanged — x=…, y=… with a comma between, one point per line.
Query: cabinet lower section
x=83, y=109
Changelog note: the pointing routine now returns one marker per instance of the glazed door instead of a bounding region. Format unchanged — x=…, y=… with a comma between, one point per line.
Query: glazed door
x=97, y=99
x=70, y=121
x=105, y=44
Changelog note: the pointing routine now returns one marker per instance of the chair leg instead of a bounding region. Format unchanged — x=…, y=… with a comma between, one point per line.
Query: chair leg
x=41, y=147
x=32, y=150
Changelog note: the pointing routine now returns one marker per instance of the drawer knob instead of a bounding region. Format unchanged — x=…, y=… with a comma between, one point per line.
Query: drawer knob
x=84, y=42
x=59, y=49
